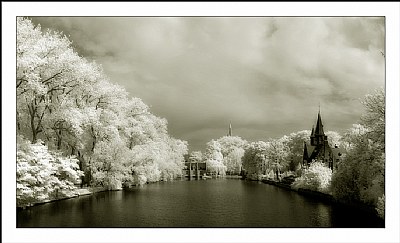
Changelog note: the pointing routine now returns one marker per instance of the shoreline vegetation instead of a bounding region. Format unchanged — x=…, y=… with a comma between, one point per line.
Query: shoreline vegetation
x=78, y=192
x=324, y=197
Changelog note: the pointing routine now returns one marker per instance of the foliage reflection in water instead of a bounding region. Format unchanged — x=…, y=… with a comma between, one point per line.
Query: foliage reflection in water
x=204, y=203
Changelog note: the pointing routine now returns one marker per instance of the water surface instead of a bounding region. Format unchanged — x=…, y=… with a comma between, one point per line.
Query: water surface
x=203, y=203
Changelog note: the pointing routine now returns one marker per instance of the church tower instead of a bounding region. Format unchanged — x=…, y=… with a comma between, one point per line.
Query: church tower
x=230, y=130
x=318, y=136
x=312, y=137
x=319, y=148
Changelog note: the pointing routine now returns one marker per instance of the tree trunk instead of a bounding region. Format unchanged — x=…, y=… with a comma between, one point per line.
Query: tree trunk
x=35, y=129
x=18, y=123
x=72, y=150
x=58, y=139
x=34, y=134
x=32, y=120
x=94, y=138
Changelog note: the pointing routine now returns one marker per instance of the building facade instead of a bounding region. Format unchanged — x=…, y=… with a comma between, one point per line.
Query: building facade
x=319, y=148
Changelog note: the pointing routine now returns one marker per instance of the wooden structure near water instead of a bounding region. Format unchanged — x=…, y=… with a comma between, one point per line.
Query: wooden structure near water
x=194, y=170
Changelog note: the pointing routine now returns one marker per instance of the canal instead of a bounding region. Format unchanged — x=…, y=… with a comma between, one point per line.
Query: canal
x=203, y=203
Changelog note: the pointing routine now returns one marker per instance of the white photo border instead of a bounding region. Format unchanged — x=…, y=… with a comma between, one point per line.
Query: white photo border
x=12, y=234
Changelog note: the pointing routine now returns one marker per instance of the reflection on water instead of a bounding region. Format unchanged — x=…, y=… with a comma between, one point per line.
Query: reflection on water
x=204, y=203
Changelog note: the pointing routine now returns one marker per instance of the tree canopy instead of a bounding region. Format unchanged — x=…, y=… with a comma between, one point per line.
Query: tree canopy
x=361, y=175
x=71, y=105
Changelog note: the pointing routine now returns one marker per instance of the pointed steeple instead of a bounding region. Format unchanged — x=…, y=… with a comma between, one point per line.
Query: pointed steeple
x=312, y=131
x=230, y=129
x=319, y=128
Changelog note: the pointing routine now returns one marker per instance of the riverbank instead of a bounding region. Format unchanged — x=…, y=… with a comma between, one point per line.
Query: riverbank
x=187, y=204
x=69, y=194
x=323, y=197
x=278, y=184
x=232, y=177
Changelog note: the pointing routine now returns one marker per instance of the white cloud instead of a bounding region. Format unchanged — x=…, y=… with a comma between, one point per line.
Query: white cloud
x=261, y=72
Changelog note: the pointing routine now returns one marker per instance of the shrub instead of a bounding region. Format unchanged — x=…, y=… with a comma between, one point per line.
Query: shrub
x=43, y=175
x=317, y=178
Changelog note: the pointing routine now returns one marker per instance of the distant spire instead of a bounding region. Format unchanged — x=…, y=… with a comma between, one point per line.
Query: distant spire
x=319, y=107
x=230, y=129
x=312, y=131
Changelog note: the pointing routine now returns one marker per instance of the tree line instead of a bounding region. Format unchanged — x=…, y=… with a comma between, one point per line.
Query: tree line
x=75, y=126
x=359, y=175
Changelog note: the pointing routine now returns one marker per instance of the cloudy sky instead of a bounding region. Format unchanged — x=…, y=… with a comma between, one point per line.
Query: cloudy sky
x=265, y=75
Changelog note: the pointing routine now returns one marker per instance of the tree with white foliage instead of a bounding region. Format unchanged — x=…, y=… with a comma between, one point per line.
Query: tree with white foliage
x=361, y=175
x=107, y=166
x=233, y=160
x=232, y=149
x=71, y=105
x=374, y=117
x=48, y=72
x=317, y=178
x=255, y=159
x=214, y=158
x=43, y=175
x=278, y=155
x=296, y=147
x=196, y=157
x=334, y=139
x=173, y=162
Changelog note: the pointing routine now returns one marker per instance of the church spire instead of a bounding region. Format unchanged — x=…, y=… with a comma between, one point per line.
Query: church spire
x=230, y=129
x=319, y=107
x=319, y=128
